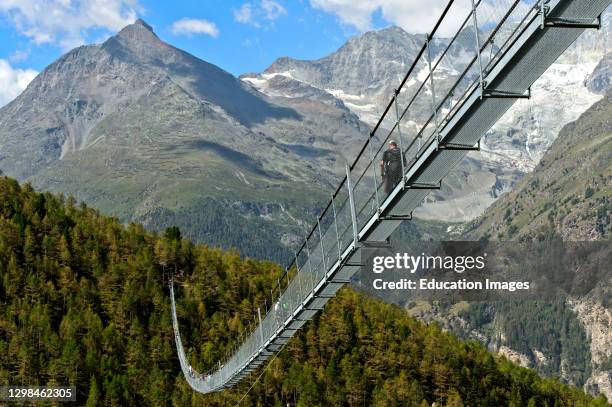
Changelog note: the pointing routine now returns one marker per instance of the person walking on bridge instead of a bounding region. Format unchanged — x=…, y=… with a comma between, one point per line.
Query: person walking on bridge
x=391, y=166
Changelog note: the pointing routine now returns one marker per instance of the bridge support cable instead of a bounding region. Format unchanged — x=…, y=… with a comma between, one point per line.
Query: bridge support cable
x=310, y=268
x=349, y=186
x=399, y=136
x=434, y=106
x=528, y=39
x=478, y=50
x=321, y=244
x=373, y=165
x=336, y=228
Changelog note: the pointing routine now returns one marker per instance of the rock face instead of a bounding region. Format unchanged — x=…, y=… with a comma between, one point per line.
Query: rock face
x=149, y=133
x=65, y=103
x=515, y=356
x=597, y=322
x=363, y=73
x=599, y=81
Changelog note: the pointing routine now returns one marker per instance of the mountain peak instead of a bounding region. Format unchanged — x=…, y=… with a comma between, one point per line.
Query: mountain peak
x=140, y=40
x=392, y=28
x=138, y=31
x=141, y=22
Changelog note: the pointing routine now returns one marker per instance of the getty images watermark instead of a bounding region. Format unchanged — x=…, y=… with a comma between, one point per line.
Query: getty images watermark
x=457, y=264
x=485, y=271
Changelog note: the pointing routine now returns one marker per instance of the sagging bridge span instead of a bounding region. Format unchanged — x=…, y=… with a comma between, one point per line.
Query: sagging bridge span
x=513, y=42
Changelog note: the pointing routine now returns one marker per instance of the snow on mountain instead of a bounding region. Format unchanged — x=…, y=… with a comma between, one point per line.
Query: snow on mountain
x=362, y=74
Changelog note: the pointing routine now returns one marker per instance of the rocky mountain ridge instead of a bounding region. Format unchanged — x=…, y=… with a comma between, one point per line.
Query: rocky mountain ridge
x=150, y=133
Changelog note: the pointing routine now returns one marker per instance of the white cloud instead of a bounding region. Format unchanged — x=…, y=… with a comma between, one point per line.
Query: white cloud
x=351, y=12
x=415, y=16
x=65, y=22
x=13, y=81
x=190, y=26
x=19, y=55
x=253, y=13
x=244, y=14
x=272, y=9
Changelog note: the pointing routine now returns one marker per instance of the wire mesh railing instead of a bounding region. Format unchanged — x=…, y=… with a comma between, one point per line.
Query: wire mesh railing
x=445, y=72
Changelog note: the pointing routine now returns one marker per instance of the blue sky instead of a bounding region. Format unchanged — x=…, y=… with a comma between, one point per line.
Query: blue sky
x=239, y=47
x=237, y=35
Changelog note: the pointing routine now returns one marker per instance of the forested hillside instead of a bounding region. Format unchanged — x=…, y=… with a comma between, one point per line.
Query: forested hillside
x=84, y=301
x=568, y=193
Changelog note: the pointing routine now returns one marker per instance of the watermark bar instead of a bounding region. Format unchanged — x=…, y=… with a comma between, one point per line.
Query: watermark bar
x=37, y=393
x=485, y=271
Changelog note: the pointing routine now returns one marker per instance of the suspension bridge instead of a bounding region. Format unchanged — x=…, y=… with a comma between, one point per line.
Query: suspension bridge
x=454, y=99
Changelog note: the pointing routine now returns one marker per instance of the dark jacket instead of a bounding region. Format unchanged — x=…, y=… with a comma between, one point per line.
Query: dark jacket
x=392, y=168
